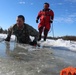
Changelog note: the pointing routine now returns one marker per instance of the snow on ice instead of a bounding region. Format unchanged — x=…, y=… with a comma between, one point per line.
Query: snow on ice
x=71, y=45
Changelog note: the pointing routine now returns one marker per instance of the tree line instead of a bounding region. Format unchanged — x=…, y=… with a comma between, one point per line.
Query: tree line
x=67, y=37
x=4, y=31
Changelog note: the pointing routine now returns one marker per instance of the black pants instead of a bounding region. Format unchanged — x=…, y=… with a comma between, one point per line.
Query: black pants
x=45, y=32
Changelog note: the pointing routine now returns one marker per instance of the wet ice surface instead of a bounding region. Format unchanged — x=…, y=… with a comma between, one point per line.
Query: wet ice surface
x=19, y=59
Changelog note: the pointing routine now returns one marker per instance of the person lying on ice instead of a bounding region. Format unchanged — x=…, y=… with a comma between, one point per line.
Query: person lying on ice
x=46, y=17
x=23, y=32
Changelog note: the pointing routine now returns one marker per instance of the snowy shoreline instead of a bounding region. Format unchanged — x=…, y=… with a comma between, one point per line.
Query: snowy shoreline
x=67, y=44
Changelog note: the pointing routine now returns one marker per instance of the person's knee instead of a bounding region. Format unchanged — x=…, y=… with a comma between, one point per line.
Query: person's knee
x=40, y=29
x=46, y=30
x=47, y=27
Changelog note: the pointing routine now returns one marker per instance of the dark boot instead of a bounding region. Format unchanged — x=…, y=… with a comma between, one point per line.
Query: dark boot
x=44, y=38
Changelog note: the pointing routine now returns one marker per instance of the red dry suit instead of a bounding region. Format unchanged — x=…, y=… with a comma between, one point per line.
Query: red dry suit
x=45, y=17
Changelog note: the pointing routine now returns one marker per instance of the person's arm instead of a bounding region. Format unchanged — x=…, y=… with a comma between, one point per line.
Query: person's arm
x=9, y=34
x=52, y=16
x=39, y=14
x=33, y=32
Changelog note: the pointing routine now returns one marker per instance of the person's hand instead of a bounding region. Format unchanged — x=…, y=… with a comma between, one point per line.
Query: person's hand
x=37, y=21
x=51, y=21
x=34, y=42
x=7, y=39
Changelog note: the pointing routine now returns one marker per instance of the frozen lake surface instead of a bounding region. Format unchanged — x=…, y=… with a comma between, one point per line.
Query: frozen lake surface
x=20, y=59
x=49, y=59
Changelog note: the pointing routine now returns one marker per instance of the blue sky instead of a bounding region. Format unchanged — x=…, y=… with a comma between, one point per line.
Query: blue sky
x=64, y=10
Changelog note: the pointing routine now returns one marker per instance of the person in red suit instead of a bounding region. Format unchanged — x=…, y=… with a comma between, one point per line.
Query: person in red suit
x=46, y=17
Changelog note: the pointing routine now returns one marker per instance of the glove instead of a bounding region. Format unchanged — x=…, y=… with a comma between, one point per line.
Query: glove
x=37, y=21
x=7, y=39
x=51, y=21
x=34, y=42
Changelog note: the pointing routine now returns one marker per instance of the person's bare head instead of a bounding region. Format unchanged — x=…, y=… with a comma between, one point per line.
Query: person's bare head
x=46, y=5
x=20, y=20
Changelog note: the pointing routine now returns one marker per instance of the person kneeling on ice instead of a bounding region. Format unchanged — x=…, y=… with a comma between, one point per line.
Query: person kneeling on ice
x=46, y=17
x=23, y=32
